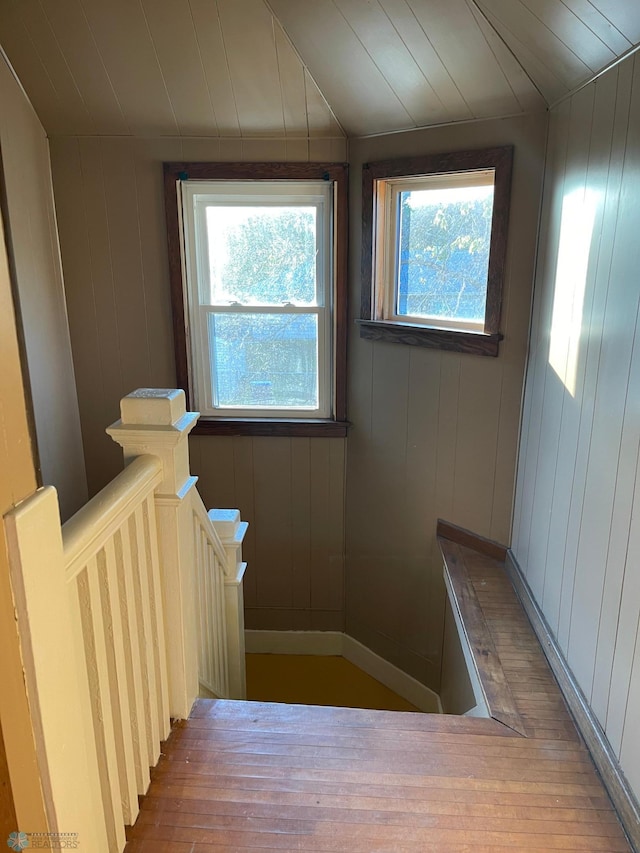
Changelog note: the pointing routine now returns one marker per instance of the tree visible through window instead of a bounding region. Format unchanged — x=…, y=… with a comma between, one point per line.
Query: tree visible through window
x=264, y=256
x=445, y=236
x=274, y=248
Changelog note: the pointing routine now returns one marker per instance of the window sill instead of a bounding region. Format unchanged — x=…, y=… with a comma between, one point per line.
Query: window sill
x=292, y=427
x=473, y=343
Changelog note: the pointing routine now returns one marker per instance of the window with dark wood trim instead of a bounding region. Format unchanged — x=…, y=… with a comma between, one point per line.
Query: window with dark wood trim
x=179, y=181
x=386, y=313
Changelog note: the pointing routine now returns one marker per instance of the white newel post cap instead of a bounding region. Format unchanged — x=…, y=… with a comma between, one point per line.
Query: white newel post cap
x=155, y=420
x=159, y=406
x=231, y=530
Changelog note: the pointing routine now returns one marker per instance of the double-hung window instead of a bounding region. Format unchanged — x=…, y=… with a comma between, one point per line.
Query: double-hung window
x=261, y=299
x=434, y=243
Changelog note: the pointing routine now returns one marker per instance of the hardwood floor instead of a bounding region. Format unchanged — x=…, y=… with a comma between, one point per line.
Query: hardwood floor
x=247, y=776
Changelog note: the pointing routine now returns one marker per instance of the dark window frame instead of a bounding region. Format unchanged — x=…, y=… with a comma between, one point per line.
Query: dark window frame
x=374, y=327
x=337, y=173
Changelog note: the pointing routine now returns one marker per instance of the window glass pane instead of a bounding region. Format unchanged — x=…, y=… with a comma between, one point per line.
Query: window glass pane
x=443, y=252
x=265, y=360
x=261, y=255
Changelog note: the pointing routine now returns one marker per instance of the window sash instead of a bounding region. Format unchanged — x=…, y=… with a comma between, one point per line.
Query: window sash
x=205, y=372
x=388, y=243
x=197, y=196
x=322, y=235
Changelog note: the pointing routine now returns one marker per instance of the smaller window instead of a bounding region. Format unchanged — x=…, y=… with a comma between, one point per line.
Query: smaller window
x=434, y=241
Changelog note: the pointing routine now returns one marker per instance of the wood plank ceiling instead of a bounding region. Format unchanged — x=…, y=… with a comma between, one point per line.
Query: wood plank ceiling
x=161, y=68
x=232, y=68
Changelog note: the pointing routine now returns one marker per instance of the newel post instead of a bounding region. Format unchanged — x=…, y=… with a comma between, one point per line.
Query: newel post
x=231, y=531
x=155, y=421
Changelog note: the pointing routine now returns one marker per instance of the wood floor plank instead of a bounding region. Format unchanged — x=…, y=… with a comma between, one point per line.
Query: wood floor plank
x=270, y=819
x=496, y=747
x=260, y=712
x=186, y=847
x=507, y=770
x=350, y=782
x=465, y=789
x=354, y=838
x=284, y=754
x=270, y=803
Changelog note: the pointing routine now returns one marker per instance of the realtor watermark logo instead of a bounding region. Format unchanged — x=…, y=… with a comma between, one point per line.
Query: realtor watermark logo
x=43, y=841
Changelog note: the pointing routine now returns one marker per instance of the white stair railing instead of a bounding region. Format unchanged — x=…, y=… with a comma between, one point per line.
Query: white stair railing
x=210, y=563
x=113, y=573
x=231, y=531
x=122, y=614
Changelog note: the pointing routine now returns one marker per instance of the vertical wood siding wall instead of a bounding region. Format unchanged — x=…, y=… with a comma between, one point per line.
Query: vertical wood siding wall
x=112, y=234
x=434, y=433
x=26, y=184
x=34, y=248
x=17, y=481
x=577, y=519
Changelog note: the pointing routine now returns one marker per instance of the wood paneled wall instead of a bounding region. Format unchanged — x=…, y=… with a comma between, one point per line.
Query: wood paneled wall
x=33, y=244
x=577, y=521
x=434, y=433
x=112, y=234
x=292, y=493
x=17, y=481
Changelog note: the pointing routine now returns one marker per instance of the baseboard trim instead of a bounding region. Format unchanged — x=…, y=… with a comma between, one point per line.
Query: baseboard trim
x=337, y=643
x=395, y=679
x=602, y=754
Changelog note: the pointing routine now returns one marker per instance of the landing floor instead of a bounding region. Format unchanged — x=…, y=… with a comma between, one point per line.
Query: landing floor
x=252, y=776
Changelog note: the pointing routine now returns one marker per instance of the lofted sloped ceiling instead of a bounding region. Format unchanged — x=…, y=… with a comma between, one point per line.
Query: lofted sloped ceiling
x=161, y=68
x=302, y=67
x=563, y=43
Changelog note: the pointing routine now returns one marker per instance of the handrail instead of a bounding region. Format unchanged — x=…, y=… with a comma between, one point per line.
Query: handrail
x=212, y=534
x=148, y=588
x=93, y=525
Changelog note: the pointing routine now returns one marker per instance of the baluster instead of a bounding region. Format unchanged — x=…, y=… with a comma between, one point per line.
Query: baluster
x=141, y=579
x=108, y=571
x=132, y=646
x=157, y=622
x=94, y=642
x=214, y=627
x=221, y=631
x=205, y=651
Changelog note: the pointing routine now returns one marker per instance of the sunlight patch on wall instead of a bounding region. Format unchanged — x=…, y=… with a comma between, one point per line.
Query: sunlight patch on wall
x=576, y=232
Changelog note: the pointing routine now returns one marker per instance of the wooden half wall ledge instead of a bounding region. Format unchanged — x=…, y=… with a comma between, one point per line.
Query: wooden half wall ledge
x=456, y=543
x=471, y=621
